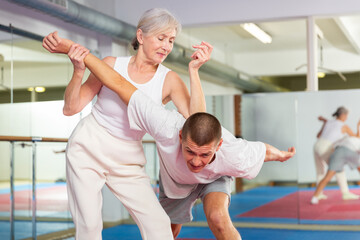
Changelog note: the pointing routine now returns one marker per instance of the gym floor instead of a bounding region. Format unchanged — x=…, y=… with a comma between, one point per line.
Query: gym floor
x=259, y=213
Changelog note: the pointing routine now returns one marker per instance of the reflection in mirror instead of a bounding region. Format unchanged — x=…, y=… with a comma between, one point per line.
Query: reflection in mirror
x=300, y=127
x=33, y=113
x=339, y=202
x=338, y=61
x=337, y=69
x=37, y=75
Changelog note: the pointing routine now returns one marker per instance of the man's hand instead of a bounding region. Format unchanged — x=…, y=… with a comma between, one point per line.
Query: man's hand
x=274, y=154
x=54, y=44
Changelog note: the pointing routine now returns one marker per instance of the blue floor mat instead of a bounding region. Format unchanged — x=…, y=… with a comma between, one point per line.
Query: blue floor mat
x=250, y=199
x=29, y=187
x=23, y=229
x=130, y=232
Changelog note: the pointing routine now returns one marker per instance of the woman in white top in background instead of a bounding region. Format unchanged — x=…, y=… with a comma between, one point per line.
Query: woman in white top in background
x=332, y=132
x=103, y=149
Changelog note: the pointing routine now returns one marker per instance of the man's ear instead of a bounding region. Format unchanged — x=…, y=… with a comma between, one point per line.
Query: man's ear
x=139, y=36
x=219, y=145
x=180, y=135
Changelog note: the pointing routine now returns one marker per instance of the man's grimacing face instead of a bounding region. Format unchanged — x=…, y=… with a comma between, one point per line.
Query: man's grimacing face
x=197, y=157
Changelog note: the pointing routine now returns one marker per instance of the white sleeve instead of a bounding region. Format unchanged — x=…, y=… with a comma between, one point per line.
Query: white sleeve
x=157, y=121
x=244, y=158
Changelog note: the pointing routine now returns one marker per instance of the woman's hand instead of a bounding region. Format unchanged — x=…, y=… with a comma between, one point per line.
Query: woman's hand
x=77, y=54
x=201, y=55
x=54, y=44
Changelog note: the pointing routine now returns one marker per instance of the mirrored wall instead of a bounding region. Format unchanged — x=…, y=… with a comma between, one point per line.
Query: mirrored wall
x=31, y=91
x=282, y=191
x=32, y=84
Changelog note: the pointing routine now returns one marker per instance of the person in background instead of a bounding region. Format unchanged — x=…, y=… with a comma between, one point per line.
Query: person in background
x=103, y=149
x=347, y=152
x=331, y=132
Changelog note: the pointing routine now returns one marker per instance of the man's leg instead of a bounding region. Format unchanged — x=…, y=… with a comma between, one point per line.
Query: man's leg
x=179, y=210
x=343, y=156
x=217, y=214
x=342, y=182
x=176, y=228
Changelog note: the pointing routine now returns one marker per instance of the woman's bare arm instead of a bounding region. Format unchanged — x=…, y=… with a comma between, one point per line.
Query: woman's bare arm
x=177, y=91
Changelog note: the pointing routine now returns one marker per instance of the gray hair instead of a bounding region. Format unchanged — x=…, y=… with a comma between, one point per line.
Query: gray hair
x=156, y=20
x=340, y=111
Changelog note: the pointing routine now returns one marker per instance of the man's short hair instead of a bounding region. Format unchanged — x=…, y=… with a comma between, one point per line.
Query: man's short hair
x=203, y=128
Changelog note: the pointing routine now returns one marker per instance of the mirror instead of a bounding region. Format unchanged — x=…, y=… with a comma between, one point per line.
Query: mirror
x=28, y=110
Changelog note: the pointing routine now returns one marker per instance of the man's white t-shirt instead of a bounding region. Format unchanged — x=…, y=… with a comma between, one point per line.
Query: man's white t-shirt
x=236, y=157
x=352, y=143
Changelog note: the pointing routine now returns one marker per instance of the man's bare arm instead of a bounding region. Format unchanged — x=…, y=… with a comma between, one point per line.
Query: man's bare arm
x=108, y=76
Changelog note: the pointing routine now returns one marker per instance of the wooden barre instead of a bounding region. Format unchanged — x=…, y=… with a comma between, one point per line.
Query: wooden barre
x=31, y=139
x=42, y=139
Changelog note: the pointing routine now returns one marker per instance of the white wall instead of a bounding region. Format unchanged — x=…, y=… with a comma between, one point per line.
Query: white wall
x=290, y=119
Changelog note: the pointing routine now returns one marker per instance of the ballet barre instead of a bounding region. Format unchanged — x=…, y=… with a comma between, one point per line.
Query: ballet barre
x=33, y=140
x=16, y=139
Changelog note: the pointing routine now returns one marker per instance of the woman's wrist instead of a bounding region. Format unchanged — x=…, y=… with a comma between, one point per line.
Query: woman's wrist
x=79, y=73
x=193, y=70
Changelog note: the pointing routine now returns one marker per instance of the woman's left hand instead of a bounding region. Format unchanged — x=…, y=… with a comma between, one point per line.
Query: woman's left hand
x=201, y=55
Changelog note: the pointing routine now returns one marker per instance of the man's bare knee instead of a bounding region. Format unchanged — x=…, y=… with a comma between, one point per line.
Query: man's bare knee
x=176, y=229
x=218, y=219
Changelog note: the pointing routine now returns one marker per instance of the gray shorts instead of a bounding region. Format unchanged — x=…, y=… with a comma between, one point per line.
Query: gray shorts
x=180, y=210
x=342, y=156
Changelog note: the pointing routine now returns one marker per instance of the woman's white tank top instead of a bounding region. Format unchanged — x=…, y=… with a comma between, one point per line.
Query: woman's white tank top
x=332, y=130
x=111, y=113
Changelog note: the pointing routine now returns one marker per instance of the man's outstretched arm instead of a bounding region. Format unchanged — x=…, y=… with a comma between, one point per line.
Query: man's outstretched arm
x=108, y=76
x=274, y=154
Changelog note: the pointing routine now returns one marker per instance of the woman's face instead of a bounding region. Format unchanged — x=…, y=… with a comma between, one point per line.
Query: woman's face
x=157, y=47
x=343, y=117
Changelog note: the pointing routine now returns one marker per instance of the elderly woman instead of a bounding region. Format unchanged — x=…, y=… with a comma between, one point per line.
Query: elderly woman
x=103, y=149
x=332, y=132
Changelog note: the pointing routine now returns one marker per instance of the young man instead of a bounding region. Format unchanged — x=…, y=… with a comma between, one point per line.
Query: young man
x=197, y=156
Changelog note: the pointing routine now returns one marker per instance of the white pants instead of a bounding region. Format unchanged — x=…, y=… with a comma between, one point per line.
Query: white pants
x=322, y=152
x=94, y=158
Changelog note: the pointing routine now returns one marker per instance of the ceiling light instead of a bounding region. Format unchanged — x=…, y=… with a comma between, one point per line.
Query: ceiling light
x=36, y=89
x=257, y=32
x=39, y=89
x=321, y=74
